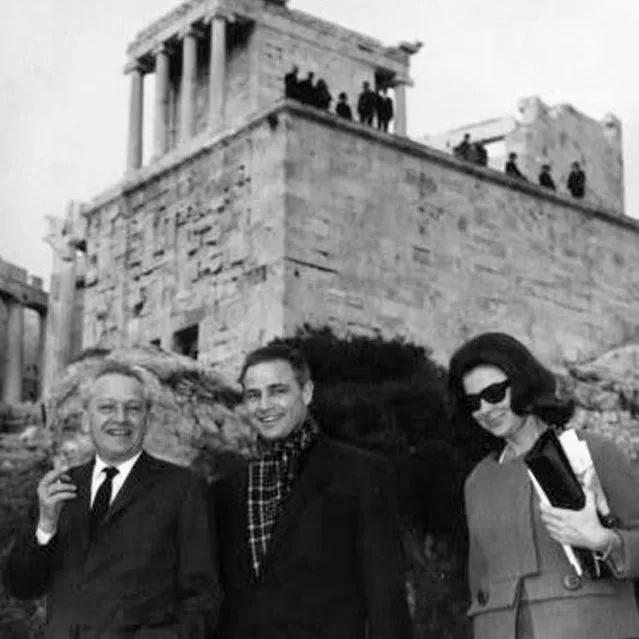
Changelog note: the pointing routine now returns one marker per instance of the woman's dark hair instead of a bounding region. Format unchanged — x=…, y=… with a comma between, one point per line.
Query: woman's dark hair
x=532, y=385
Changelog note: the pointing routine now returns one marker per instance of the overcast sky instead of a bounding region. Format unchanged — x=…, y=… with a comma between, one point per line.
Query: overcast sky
x=64, y=98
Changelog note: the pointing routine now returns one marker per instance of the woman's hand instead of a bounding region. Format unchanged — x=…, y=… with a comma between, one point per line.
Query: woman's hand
x=580, y=528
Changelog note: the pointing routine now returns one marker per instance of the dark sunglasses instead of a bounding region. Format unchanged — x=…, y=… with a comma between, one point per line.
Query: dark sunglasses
x=493, y=394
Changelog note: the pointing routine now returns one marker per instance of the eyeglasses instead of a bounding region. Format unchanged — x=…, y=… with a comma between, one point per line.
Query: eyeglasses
x=493, y=394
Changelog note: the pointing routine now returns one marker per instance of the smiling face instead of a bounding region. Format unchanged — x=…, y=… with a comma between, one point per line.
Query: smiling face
x=498, y=419
x=276, y=402
x=117, y=414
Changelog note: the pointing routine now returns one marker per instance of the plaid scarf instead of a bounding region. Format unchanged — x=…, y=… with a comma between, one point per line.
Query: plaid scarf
x=271, y=477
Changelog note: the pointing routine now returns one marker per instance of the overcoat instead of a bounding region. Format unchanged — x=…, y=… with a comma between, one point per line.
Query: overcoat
x=516, y=570
x=334, y=567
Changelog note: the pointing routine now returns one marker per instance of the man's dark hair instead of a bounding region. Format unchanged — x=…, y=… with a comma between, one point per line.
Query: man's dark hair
x=532, y=385
x=279, y=352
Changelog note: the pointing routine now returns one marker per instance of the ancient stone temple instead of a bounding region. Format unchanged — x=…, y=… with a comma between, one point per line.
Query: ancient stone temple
x=255, y=214
x=23, y=316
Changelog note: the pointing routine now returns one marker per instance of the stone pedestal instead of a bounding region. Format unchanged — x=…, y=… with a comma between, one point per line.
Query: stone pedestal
x=189, y=70
x=217, y=72
x=12, y=391
x=136, y=114
x=161, y=129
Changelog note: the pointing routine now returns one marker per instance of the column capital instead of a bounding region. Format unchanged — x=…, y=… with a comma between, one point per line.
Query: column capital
x=135, y=64
x=219, y=14
x=192, y=30
x=162, y=48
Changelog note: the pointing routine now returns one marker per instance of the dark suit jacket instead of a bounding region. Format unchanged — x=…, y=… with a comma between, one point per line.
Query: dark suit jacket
x=150, y=573
x=334, y=565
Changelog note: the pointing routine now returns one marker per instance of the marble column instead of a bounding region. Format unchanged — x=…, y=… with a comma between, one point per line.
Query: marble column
x=42, y=352
x=189, y=70
x=136, y=115
x=399, y=127
x=161, y=128
x=217, y=73
x=59, y=325
x=12, y=391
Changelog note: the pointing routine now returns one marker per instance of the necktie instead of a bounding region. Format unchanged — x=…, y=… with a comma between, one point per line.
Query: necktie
x=101, y=501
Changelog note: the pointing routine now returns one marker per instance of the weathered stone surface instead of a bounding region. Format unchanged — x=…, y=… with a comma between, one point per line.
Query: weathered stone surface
x=390, y=238
x=606, y=390
x=199, y=244
x=299, y=217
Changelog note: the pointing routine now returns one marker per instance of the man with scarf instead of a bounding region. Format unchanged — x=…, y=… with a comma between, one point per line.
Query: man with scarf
x=308, y=538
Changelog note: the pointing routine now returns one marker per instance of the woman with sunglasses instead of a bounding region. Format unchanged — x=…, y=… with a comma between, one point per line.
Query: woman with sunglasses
x=522, y=585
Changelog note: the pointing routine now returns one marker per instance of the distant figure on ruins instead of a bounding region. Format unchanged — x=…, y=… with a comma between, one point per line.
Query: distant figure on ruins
x=367, y=104
x=512, y=169
x=576, y=181
x=545, y=179
x=385, y=110
x=306, y=89
x=481, y=154
x=463, y=148
x=291, y=83
x=322, y=96
x=343, y=109
x=477, y=154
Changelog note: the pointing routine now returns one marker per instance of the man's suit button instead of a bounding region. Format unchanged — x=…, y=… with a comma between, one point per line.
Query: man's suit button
x=482, y=597
x=572, y=582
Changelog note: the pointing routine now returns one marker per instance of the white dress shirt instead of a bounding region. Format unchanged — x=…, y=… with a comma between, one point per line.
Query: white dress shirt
x=124, y=469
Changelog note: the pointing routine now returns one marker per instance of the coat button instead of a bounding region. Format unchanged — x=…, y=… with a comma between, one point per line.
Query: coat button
x=482, y=597
x=572, y=582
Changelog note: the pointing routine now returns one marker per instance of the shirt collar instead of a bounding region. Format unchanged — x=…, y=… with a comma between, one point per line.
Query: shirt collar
x=123, y=467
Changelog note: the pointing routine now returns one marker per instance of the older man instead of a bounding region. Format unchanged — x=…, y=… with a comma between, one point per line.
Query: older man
x=121, y=546
x=309, y=545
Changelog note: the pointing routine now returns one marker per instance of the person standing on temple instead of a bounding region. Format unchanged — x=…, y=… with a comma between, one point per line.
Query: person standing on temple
x=481, y=153
x=463, y=148
x=291, y=83
x=367, y=104
x=511, y=169
x=306, y=89
x=309, y=539
x=343, y=109
x=545, y=179
x=385, y=111
x=577, y=181
x=323, y=97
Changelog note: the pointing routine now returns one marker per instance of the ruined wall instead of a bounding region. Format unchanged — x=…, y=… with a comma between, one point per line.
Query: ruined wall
x=560, y=135
x=196, y=243
x=556, y=135
x=386, y=237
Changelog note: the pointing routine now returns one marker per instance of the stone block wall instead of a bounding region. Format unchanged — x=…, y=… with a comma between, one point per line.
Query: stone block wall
x=197, y=243
x=386, y=237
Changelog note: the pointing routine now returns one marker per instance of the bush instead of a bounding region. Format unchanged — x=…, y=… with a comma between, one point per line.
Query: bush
x=19, y=476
